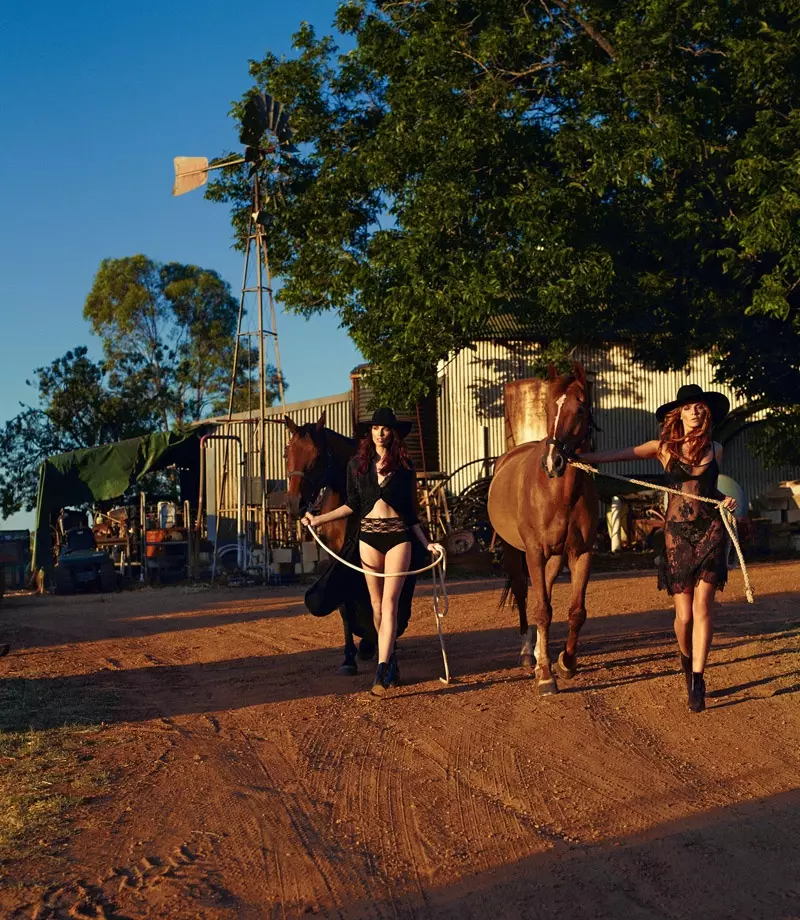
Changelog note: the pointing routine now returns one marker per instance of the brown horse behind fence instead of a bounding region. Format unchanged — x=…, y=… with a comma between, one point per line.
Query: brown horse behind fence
x=546, y=511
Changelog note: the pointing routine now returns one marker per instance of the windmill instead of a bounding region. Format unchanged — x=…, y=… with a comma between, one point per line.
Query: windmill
x=267, y=139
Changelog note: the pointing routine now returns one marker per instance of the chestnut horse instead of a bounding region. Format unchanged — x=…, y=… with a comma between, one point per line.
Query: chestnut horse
x=545, y=510
x=316, y=459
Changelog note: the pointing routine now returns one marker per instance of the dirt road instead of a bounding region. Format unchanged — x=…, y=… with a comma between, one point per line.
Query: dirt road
x=244, y=779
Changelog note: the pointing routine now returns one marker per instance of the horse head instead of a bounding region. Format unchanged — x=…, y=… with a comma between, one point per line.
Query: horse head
x=307, y=460
x=568, y=418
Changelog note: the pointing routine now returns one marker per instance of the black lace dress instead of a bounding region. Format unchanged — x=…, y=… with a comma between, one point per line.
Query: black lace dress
x=696, y=542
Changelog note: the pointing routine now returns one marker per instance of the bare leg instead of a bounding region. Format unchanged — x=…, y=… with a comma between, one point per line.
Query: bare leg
x=396, y=560
x=703, y=624
x=372, y=560
x=683, y=622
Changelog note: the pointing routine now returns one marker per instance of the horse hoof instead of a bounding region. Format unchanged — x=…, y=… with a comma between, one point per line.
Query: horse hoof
x=348, y=669
x=527, y=661
x=564, y=669
x=366, y=649
x=547, y=687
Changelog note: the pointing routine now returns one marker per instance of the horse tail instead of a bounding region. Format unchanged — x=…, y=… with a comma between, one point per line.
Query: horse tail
x=516, y=583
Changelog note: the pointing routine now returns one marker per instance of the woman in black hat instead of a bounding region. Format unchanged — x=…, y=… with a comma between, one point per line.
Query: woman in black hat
x=694, y=563
x=381, y=490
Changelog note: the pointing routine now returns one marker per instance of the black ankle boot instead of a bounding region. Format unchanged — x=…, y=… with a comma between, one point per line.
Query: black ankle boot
x=392, y=672
x=686, y=667
x=379, y=684
x=697, y=693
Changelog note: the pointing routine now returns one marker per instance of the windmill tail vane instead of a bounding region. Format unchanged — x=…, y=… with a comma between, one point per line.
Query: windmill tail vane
x=192, y=172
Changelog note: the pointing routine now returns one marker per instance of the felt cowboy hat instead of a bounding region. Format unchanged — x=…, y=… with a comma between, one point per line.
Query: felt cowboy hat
x=386, y=419
x=718, y=403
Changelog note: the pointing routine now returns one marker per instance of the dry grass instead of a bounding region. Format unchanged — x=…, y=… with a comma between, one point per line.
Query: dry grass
x=45, y=761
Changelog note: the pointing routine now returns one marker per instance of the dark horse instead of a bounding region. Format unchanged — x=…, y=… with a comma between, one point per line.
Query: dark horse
x=316, y=459
x=545, y=510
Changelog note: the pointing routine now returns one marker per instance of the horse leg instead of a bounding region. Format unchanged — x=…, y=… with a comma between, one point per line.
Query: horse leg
x=551, y=572
x=349, y=667
x=580, y=566
x=542, y=617
x=517, y=585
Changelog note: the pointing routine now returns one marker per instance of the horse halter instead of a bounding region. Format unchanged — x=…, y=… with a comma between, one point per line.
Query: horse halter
x=554, y=461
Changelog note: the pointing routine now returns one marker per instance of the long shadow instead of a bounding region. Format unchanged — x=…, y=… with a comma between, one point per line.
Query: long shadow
x=732, y=862
x=93, y=618
x=477, y=658
x=27, y=633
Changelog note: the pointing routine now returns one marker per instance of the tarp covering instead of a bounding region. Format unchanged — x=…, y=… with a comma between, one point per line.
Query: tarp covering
x=95, y=474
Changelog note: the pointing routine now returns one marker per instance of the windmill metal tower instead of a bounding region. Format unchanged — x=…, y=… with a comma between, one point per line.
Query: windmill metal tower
x=267, y=139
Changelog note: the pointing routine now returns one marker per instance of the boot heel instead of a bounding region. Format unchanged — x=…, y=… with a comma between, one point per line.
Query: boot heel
x=379, y=684
x=392, y=672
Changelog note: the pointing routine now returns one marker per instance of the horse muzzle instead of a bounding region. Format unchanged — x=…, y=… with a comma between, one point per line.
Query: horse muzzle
x=554, y=460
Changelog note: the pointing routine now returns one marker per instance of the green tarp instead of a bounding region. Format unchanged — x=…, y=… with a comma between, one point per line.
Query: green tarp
x=101, y=473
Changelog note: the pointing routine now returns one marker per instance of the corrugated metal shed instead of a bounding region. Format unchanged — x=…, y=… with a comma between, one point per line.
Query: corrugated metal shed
x=624, y=395
x=222, y=456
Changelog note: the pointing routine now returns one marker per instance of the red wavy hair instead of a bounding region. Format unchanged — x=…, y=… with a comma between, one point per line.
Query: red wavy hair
x=673, y=436
x=396, y=454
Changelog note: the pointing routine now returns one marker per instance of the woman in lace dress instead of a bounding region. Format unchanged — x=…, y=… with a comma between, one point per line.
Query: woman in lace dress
x=694, y=564
x=381, y=491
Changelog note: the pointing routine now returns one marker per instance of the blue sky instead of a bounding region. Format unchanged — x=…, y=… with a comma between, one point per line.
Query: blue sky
x=98, y=98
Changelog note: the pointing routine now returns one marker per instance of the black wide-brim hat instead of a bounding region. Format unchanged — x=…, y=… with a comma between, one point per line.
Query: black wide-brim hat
x=718, y=403
x=386, y=419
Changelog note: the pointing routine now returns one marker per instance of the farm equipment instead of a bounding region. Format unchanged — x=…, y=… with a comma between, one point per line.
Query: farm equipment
x=80, y=565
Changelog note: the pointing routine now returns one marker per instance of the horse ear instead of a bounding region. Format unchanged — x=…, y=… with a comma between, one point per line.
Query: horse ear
x=579, y=373
x=290, y=425
x=552, y=371
x=321, y=422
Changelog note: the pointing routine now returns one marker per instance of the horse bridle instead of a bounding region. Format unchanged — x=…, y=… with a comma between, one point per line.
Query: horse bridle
x=569, y=452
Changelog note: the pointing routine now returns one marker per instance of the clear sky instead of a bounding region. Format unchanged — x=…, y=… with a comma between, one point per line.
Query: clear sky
x=98, y=98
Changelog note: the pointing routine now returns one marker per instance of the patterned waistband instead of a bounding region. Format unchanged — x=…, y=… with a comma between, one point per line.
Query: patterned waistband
x=383, y=525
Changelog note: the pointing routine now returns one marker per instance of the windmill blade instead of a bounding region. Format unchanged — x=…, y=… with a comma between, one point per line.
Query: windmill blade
x=264, y=114
x=190, y=173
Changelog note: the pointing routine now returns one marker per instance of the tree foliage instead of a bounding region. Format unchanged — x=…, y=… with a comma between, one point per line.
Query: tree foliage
x=80, y=405
x=173, y=326
x=609, y=170
x=168, y=334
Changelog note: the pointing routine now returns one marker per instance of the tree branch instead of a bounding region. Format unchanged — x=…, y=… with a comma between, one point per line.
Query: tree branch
x=567, y=7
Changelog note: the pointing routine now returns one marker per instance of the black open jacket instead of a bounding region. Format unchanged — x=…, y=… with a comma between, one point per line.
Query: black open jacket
x=397, y=490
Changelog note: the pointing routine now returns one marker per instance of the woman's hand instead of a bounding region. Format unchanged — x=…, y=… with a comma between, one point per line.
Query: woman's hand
x=730, y=504
x=309, y=519
x=436, y=548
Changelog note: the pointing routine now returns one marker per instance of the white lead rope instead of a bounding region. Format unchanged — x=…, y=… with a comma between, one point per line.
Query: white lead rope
x=439, y=570
x=727, y=516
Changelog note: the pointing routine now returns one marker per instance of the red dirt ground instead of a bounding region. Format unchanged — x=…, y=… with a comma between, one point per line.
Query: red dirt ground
x=248, y=780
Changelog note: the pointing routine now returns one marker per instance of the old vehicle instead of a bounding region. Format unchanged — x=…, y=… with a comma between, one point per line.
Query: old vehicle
x=80, y=565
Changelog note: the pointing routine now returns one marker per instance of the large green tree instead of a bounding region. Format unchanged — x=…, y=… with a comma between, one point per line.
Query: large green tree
x=177, y=323
x=603, y=170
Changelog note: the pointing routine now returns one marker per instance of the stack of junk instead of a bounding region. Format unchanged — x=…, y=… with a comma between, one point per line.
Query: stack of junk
x=777, y=509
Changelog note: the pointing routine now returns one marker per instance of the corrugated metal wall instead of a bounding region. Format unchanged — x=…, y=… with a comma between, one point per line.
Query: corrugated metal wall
x=624, y=395
x=223, y=454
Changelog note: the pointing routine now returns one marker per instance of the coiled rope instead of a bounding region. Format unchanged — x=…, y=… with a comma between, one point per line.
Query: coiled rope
x=438, y=568
x=726, y=514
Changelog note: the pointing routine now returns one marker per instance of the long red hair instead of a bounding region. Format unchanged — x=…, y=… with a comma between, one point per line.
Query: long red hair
x=396, y=454
x=673, y=436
